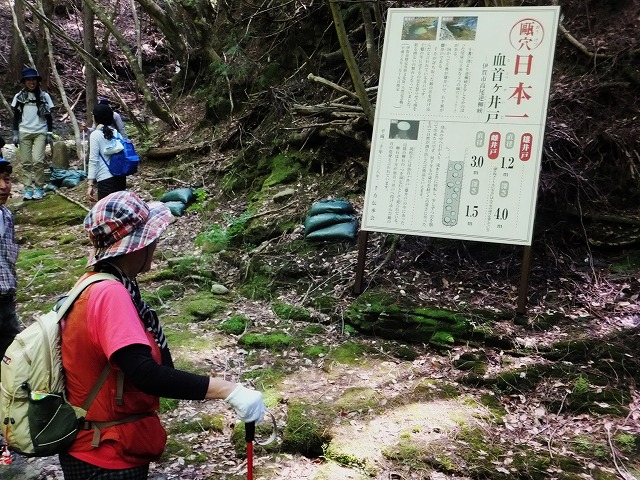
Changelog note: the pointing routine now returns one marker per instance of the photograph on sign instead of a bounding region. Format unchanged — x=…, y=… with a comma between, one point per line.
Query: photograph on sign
x=459, y=122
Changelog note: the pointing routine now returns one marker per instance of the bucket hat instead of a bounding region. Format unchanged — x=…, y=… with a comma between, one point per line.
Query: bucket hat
x=29, y=72
x=122, y=223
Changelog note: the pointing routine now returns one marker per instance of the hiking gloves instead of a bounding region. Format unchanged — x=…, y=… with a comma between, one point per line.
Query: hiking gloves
x=247, y=403
x=16, y=138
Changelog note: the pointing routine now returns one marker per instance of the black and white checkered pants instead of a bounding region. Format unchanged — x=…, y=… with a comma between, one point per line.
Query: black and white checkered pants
x=75, y=469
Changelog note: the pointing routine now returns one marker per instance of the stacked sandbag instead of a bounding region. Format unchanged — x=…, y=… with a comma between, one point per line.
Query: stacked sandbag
x=331, y=220
x=59, y=177
x=178, y=200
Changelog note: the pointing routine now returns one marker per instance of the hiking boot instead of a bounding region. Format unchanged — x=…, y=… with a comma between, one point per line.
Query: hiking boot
x=38, y=194
x=28, y=194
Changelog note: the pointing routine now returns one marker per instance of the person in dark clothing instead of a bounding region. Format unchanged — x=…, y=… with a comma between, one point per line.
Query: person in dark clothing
x=9, y=326
x=110, y=322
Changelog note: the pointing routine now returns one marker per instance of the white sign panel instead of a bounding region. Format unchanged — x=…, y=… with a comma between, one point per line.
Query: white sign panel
x=459, y=122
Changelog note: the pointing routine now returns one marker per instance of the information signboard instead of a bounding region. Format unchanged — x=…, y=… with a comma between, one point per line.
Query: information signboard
x=459, y=122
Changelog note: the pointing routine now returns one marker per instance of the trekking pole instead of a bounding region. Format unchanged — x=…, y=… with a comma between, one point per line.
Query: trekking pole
x=249, y=436
x=84, y=153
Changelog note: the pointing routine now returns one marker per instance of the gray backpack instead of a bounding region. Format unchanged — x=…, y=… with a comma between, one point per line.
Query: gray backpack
x=36, y=418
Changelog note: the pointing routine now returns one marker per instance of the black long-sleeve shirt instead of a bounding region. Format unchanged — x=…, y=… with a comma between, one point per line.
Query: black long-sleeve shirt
x=141, y=369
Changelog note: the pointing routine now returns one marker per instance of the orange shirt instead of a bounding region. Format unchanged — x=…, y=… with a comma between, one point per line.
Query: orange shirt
x=102, y=321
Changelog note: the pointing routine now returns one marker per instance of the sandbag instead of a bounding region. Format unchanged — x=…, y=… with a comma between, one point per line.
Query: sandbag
x=331, y=206
x=340, y=231
x=66, y=178
x=177, y=208
x=315, y=222
x=184, y=195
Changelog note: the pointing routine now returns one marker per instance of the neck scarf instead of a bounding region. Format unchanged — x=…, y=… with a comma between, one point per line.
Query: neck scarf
x=147, y=314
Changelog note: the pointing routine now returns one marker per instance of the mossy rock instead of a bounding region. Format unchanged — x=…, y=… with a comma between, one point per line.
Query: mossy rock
x=53, y=211
x=198, y=424
x=474, y=362
x=511, y=381
x=43, y=276
x=307, y=429
x=274, y=341
x=594, y=400
x=262, y=432
x=284, y=167
x=349, y=353
x=473, y=453
x=203, y=306
x=611, y=356
x=401, y=352
x=182, y=268
x=391, y=316
x=234, y=325
x=346, y=455
x=324, y=303
x=291, y=312
x=258, y=287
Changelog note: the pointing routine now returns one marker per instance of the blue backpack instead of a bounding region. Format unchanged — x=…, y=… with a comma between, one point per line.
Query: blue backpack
x=125, y=161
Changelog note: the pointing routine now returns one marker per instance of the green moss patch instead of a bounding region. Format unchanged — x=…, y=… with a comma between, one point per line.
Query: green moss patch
x=168, y=404
x=284, y=168
x=53, y=211
x=392, y=316
x=307, y=429
x=203, y=306
x=201, y=423
x=235, y=325
x=349, y=353
x=291, y=312
x=272, y=341
x=257, y=287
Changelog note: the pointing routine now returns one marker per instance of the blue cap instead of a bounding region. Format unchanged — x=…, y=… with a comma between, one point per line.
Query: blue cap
x=29, y=72
x=103, y=101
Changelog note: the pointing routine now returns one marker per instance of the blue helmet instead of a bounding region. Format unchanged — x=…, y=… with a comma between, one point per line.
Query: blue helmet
x=29, y=72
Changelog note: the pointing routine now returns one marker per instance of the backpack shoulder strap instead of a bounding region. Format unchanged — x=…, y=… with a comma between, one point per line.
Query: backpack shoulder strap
x=78, y=289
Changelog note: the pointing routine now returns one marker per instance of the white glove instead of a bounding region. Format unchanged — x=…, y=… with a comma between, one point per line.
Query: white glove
x=247, y=403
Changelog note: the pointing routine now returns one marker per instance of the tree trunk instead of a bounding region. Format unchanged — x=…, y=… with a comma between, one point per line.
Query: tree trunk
x=372, y=51
x=350, y=59
x=89, y=44
x=19, y=52
x=136, y=22
x=42, y=53
x=63, y=96
x=166, y=22
x=149, y=99
x=89, y=60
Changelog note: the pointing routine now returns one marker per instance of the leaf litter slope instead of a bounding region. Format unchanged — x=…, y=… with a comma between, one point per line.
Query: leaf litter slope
x=581, y=308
